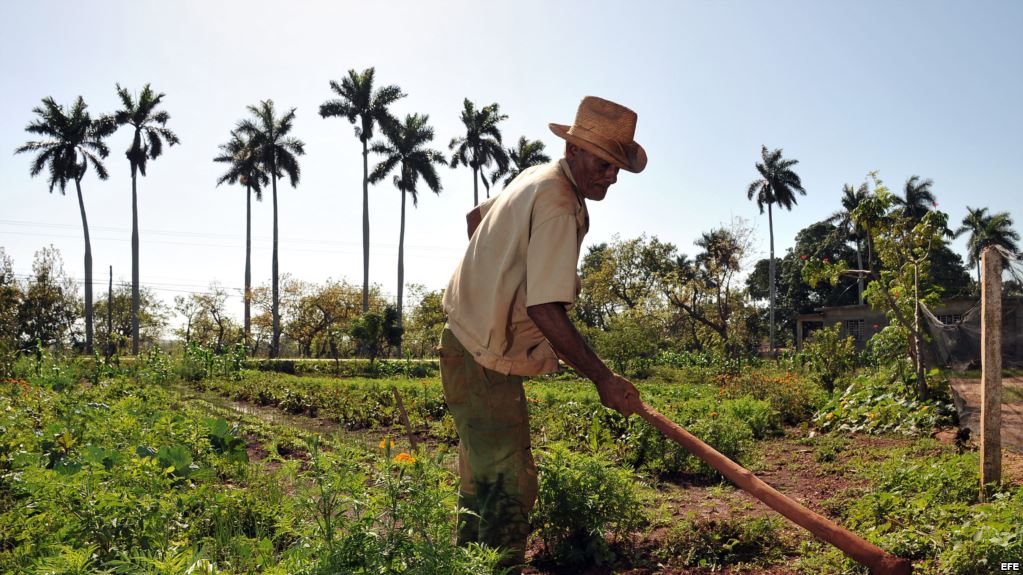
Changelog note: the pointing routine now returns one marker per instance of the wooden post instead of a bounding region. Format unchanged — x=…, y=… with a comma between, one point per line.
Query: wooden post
x=991, y=368
x=110, y=316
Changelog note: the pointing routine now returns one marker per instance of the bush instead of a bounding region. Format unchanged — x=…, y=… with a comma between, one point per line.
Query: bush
x=829, y=358
x=872, y=405
x=582, y=499
x=716, y=543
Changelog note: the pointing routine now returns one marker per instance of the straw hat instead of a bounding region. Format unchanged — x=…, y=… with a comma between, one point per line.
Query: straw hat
x=606, y=130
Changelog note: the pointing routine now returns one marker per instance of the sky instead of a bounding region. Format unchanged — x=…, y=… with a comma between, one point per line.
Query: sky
x=930, y=88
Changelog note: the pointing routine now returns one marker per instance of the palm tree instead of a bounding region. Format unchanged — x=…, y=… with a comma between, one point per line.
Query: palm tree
x=843, y=220
x=244, y=168
x=360, y=103
x=919, y=199
x=985, y=230
x=406, y=148
x=276, y=152
x=146, y=144
x=481, y=144
x=525, y=154
x=74, y=141
x=777, y=184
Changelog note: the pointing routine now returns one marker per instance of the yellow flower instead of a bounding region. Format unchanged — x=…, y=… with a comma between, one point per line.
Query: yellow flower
x=404, y=458
x=385, y=443
x=829, y=415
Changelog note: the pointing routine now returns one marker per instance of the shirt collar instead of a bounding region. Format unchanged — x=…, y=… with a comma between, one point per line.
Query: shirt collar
x=568, y=174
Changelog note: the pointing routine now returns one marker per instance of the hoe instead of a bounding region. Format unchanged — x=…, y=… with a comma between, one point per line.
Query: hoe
x=876, y=559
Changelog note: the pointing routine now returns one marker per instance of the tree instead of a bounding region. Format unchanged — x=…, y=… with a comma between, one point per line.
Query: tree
x=320, y=310
x=701, y=289
x=244, y=167
x=525, y=154
x=987, y=230
x=10, y=300
x=777, y=184
x=821, y=241
x=481, y=144
x=49, y=305
x=900, y=277
x=375, y=331
x=425, y=321
x=918, y=199
x=207, y=321
x=358, y=102
x=851, y=198
x=277, y=151
x=620, y=276
x=148, y=133
x=74, y=143
x=152, y=318
x=406, y=149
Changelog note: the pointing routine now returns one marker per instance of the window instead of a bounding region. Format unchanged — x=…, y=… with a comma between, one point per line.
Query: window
x=950, y=319
x=854, y=328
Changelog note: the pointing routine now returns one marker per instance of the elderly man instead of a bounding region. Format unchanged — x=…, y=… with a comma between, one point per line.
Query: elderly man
x=507, y=318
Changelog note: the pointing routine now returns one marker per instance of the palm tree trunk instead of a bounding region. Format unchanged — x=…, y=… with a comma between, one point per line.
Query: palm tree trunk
x=134, y=263
x=401, y=265
x=859, y=278
x=248, y=263
x=88, y=269
x=110, y=315
x=365, y=227
x=770, y=267
x=475, y=188
x=275, y=341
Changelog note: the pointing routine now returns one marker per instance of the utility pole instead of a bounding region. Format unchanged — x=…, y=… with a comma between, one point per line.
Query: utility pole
x=991, y=370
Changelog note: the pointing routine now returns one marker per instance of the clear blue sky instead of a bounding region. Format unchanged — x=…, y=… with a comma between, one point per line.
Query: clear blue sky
x=927, y=87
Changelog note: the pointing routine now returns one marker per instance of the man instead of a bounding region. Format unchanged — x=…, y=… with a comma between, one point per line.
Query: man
x=507, y=318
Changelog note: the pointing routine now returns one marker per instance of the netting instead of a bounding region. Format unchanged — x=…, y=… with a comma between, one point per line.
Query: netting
x=957, y=345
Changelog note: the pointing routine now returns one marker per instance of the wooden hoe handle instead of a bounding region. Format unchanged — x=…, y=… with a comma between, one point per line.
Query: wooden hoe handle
x=876, y=559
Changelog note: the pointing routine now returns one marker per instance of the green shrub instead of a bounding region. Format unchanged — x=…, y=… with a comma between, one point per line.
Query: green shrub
x=872, y=405
x=717, y=543
x=828, y=357
x=582, y=500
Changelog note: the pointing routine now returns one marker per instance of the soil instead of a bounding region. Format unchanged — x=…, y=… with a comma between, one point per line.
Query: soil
x=789, y=464
x=966, y=394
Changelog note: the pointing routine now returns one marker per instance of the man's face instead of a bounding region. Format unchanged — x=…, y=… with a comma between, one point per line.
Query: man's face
x=593, y=175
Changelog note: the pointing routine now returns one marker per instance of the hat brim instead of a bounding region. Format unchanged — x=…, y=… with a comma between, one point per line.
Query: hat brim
x=633, y=161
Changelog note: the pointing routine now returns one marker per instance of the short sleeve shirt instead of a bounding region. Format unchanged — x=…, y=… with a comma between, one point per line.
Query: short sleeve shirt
x=524, y=252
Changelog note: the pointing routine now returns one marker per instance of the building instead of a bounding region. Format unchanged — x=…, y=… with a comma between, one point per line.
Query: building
x=958, y=320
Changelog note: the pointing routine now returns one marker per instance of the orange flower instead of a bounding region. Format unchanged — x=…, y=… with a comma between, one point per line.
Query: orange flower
x=385, y=443
x=713, y=414
x=404, y=458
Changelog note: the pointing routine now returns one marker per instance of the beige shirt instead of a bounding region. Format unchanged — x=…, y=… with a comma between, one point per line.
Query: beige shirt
x=524, y=252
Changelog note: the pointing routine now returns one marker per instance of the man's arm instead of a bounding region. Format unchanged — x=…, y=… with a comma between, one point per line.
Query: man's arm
x=615, y=391
x=473, y=219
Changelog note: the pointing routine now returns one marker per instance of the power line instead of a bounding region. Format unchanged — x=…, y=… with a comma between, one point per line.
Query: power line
x=200, y=235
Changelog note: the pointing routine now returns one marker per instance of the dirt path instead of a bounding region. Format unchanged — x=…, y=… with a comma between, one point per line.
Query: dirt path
x=966, y=395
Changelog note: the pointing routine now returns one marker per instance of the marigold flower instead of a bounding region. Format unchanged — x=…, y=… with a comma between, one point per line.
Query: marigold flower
x=404, y=458
x=713, y=414
x=829, y=415
x=385, y=443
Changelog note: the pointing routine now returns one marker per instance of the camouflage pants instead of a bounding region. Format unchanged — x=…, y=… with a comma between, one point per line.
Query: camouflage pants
x=495, y=464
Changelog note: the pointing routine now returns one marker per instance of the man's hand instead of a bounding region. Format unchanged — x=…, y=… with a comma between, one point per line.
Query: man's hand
x=615, y=391
x=618, y=394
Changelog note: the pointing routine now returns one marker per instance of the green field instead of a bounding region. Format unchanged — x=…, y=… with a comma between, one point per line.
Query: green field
x=163, y=467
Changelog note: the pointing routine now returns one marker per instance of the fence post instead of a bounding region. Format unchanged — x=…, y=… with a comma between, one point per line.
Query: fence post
x=991, y=369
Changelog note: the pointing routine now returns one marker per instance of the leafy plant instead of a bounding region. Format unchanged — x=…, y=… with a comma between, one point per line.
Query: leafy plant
x=582, y=499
